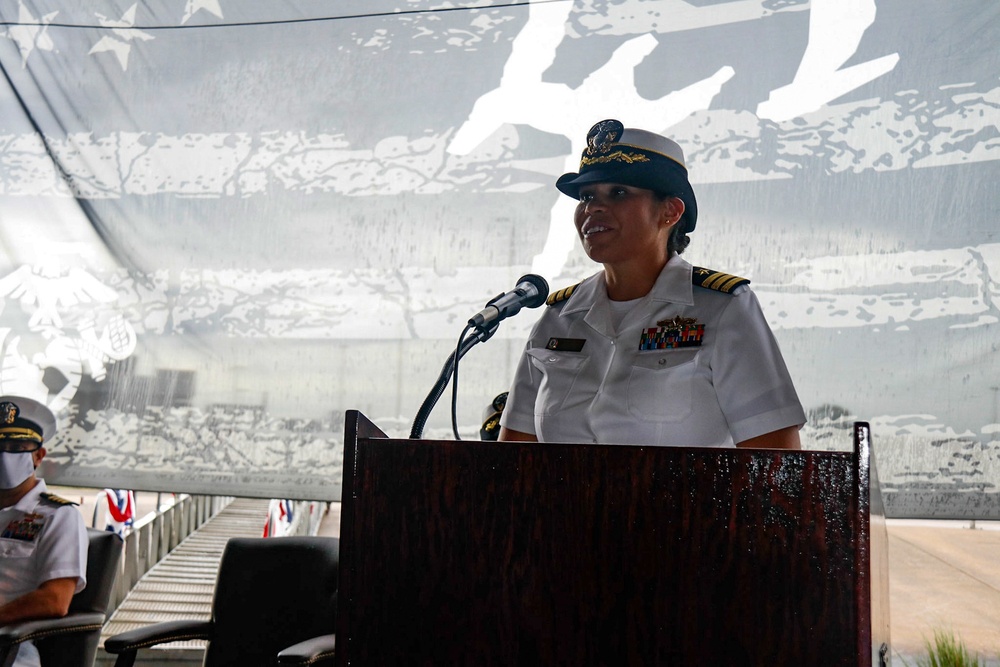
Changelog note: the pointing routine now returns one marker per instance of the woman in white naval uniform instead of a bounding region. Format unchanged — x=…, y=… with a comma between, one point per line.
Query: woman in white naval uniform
x=649, y=351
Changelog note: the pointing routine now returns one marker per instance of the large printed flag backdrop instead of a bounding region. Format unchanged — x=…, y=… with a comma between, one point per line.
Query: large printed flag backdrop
x=224, y=223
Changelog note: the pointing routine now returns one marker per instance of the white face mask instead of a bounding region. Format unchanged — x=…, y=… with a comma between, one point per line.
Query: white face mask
x=15, y=468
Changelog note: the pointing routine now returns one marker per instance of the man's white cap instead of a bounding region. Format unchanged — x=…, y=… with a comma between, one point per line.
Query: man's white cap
x=25, y=420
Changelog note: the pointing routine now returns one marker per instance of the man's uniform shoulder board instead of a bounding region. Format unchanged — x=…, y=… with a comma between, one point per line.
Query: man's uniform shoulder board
x=561, y=295
x=716, y=280
x=57, y=500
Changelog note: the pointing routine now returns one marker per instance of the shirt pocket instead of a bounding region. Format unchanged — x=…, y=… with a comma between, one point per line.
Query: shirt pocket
x=660, y=386
x=559, y=372
x=10, y=548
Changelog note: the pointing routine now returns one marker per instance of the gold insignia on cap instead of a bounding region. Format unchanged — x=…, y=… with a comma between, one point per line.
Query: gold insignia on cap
x=618, y=156
x=8, y=412
x=16, y=432
x=603, y=135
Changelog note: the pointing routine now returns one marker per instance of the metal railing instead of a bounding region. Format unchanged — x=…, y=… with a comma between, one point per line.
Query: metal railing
x=152, y=537
x=155, y=535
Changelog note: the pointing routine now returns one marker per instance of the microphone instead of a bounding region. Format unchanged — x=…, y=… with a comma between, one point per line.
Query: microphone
x=530, y=292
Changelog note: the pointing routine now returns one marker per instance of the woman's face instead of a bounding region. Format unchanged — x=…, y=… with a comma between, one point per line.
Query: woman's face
x=620, y=223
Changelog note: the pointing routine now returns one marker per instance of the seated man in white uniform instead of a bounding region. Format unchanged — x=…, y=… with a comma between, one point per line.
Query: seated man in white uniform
x=43, y=541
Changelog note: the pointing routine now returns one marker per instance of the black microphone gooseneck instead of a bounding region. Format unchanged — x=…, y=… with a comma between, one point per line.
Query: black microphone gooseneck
x=530, y=292
x=467, y=343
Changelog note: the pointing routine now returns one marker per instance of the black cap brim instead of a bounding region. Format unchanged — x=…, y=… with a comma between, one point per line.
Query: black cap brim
x=665, y=178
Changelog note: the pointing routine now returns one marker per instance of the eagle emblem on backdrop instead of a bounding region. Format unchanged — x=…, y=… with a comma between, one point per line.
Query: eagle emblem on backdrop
x=65, y=328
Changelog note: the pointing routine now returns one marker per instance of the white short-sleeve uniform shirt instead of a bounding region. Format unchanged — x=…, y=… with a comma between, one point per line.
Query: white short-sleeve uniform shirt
x=584, y=379
x=39, y=540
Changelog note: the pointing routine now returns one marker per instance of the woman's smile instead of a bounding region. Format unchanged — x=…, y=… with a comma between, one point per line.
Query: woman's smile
x=621, y=222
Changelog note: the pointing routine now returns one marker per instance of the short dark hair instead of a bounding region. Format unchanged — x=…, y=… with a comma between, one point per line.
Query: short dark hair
x=678, y=240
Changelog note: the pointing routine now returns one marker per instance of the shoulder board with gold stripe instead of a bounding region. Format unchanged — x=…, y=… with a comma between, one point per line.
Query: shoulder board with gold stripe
x=561, y=295
x=716, y=280
x=58, y=500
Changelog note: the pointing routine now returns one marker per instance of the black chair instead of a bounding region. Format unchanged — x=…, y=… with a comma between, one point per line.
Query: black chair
x=71, y=641
x=315, y=651
x=270, y=593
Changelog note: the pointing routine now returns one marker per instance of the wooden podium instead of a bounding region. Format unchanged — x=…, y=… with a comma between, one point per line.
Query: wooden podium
x=483, y=553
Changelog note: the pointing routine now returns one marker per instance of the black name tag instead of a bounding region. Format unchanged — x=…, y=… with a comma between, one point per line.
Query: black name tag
x=566, y=344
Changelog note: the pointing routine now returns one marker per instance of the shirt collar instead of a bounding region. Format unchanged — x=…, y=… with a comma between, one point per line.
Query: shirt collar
x=29, y=501
x=673, y=285
x=586, y=294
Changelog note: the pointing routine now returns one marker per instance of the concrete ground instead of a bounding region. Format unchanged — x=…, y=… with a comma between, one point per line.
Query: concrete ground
x=944, y=576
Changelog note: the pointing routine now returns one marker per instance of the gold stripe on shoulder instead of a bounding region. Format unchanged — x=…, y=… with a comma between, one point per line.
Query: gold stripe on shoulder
x=58, y=500
x=717, y=280
x=560, y=295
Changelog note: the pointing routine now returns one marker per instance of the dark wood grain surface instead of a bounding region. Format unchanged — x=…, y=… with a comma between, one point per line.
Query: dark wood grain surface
x=473, y=553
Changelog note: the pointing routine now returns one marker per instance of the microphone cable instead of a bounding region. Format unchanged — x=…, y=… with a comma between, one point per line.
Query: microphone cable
x=454, y=382
x=447, y=371
x=530, y=292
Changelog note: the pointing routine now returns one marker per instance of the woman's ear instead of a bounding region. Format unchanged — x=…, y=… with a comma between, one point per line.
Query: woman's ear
x=673, y=209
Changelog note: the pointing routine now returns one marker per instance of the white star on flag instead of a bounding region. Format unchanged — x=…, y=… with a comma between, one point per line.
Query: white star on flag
x=29, y=35
x=196, y=5
x=121, y=34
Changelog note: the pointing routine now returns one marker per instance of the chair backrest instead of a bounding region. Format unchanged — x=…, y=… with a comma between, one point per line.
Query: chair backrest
x=78, y=650
x=271, y=593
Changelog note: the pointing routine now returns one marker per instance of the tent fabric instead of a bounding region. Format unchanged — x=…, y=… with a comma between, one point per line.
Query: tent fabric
x=226, y=223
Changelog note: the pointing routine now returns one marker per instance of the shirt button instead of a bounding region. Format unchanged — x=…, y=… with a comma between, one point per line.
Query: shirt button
x=662, y=362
